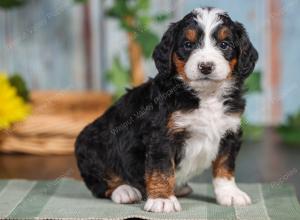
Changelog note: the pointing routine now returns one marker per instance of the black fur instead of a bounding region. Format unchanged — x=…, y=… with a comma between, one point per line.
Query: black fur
x=247, y=53
x=163, y=51
x=144, y=141
x=132, y=136
x=230, y=145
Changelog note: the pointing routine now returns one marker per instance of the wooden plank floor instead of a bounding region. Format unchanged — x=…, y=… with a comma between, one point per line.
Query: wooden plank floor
x=37, y=167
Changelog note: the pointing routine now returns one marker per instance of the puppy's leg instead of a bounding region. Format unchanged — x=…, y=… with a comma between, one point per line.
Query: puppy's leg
x=226, y=191
x=160, y=183
x=160, y=192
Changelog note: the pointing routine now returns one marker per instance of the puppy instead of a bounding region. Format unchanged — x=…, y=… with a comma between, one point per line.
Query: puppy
x=159, y=135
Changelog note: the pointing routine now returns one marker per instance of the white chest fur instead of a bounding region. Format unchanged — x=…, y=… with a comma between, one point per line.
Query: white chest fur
x=206, y=126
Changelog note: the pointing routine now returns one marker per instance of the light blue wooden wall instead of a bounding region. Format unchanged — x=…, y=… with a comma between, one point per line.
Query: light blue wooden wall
x=43, y=40
x=290, y=53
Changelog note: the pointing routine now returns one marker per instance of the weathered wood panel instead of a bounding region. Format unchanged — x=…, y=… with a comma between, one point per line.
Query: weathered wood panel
x=42, y=40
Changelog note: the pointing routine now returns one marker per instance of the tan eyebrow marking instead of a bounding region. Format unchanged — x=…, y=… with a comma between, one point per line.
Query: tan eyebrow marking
x=223, y=33
x=191, y=35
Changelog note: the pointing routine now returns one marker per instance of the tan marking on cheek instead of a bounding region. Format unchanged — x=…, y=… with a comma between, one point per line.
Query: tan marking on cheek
x=113, y=181
x=191, y=35
x=223, y=33
x=220, y=168
x=232, y=65
x=159, y=184
x=179, y=64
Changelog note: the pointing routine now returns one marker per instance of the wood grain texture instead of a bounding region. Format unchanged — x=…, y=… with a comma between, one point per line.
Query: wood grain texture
x=56, y=120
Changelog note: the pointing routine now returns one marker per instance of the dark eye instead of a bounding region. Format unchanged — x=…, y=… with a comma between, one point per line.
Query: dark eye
x=188, y=45
x=224, y=45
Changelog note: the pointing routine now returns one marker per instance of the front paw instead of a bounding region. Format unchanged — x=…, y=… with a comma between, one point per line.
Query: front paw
x=232, y=196
x=170, y=204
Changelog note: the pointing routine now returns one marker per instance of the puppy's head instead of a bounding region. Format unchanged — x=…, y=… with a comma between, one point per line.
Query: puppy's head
x=206, y=45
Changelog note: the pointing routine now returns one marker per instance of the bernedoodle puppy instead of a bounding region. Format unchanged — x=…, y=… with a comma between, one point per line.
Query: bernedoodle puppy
x=159, y=135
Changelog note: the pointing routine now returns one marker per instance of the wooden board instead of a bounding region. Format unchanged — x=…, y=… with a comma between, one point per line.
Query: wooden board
x=56, y=120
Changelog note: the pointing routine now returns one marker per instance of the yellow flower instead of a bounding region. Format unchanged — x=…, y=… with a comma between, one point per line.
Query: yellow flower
x=12, y=107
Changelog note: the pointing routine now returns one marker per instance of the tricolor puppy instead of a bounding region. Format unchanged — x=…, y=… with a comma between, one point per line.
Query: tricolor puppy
x=159, y=135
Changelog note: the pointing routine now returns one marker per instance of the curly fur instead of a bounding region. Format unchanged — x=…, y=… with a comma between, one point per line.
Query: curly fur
x=139, y=137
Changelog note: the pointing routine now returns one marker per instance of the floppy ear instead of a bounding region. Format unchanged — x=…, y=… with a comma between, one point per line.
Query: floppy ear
x=162, y=53
x=247, y=53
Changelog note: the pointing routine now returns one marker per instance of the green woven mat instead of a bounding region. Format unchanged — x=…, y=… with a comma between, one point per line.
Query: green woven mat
x=69, y=199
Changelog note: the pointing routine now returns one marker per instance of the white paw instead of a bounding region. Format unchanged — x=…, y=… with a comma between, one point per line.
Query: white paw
x=162, y=205
x=183, y=190
x=231, y=195
x=228, y=194
x=126, y=194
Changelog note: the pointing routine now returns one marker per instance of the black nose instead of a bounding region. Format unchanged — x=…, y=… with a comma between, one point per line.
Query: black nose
x=206, y=68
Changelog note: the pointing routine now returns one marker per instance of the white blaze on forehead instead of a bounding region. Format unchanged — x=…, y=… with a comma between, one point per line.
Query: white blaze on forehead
x=208, y=19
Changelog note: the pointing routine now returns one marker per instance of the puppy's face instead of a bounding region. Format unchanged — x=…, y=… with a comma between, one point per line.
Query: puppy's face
x=206, y=45
x=205, y=49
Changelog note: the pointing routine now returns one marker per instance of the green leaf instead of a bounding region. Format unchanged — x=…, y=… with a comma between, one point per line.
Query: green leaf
x=290, y=130
x=143, y=22
x=290, y=135
x=253, y=83
x=119, y=10
x=294, y=120
x=148, y=40
x=127, y=27
x=119, y=77
x=114, y=12
x=251, y=132
x=80, y=1
x=17, y=81
x=143, y=5
x=161, y=17
x=7, y=4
